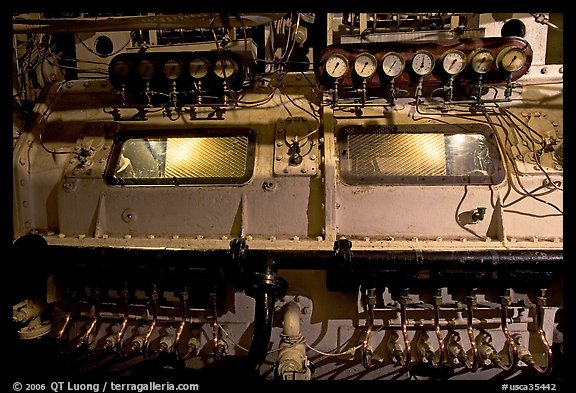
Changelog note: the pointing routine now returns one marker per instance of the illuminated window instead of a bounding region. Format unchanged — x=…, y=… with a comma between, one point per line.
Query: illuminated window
x=206, y=156
x=419, y=154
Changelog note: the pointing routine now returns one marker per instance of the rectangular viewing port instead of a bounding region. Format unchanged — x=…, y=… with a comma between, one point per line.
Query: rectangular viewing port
x=182, y=157
x=419, y=154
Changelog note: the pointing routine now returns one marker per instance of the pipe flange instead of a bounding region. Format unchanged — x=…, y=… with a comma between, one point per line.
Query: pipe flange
x=267, y=281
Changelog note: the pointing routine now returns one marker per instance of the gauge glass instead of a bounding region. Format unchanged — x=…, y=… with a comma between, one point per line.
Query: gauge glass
x=511, y=59
x=172, y=69
x=393, y=64
x=365, y=65
x=422, y=63
x=481, y=60
x=336, y=65
x=225, y=68
x=198, y=68
x=121, y=69
x=453, y=62
x=146, y=69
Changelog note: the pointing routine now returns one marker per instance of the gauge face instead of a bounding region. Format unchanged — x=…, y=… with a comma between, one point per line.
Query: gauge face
x=393, y=64
x=172, y=69
x=365, y=65
x=453, y=62
x=225, y=68
x=198, y=68
x=481, y=60
x=121, y=69
x=422, y=63
x=511, y=59
x=146, y=69
x=336, y=65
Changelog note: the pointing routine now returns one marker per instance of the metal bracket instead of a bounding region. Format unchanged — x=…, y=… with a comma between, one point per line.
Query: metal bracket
x=302, y=161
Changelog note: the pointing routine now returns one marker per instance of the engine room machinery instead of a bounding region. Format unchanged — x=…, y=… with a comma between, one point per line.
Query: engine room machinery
x=288, y=196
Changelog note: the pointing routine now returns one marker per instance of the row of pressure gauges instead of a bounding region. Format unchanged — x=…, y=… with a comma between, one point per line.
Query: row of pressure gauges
x=172, y=69
x=365, y=65
x=422, y=62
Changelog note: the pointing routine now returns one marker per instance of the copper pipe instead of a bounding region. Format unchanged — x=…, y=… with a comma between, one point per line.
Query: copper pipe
x=505, y=301
x=404, y=299
x=470, y=303
x=366, y=352
x=540, y=303
x=191, y=349
x=122, y=330
x=215, y=326
x=153, y=307
x=86, y=337
x=65, y=326
x=442, y=348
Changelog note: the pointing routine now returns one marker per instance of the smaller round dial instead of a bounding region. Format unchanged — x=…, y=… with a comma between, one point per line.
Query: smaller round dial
x=146, y=69
x=365, y=65
x=121, y=69
x=198, y=68
x=422, y=63
x=336, y=65
x=225, y=67
x=453, y=61
x=172, y=69
x=511, y=59
x=393, y=64
x=481, y=60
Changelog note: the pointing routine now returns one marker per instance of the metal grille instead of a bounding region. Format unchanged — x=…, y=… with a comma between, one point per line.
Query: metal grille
x=213, y=157
x=397, y=154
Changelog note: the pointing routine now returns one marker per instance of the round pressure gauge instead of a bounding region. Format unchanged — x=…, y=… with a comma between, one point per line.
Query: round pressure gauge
x=146, y=69
x=392, y=64
x=198, y=68
x=481, y=60
x=121, y=69
x=336, y=65
x=172, y=69
x=453, y=61
x=511, y=59
x=225, y=67
x=422, y=63
x=365, y=65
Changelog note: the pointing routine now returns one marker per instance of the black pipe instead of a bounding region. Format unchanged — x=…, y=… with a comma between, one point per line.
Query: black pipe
x=265, y=287
x=321, y=259
x=263, y=314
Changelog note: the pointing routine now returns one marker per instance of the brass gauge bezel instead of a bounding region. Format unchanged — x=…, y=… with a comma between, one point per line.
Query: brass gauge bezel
x=453, y=61
x=422, y=63
x=396, y=68
x=365, y=65
x=146, y=69
x=336, y=66
x=513, y=65
x=172, y=69
x=198, y=67
x=229, y=69
x=483, y=66
x=121, y=69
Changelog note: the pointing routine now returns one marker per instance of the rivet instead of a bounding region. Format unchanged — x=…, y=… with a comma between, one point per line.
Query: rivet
x=285, y=170
x=81, y=236
x=175, y=237
x=278, y=158
x=366, y=239
x=279, y=143
x=272, y=238
x=313, y=157
x=61, y=235
x=224, y=237
x=127, y=236
x=25, y=203
x=319, y=238
x=150, y=236
x=105, y=236
x=249, y=237
x=199, y=237
x=296, y=238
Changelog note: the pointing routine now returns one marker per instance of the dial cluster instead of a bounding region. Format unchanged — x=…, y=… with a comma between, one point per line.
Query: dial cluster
x=382, y=63
x=162, y=69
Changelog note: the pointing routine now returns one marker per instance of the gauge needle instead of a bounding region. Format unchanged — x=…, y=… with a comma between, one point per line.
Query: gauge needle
x=336, y=66
x=453, y=62
x=392, y=67
x=365, y=64
x=512, y=61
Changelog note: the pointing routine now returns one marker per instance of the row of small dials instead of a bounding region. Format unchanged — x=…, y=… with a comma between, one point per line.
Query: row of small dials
x=422, y=62
x=173, y=69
